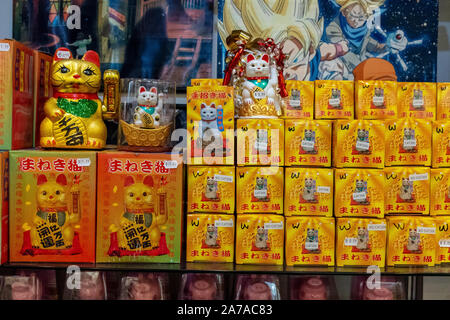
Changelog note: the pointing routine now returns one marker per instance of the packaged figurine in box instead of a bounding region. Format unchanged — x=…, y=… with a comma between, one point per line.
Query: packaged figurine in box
x=52, y=206
x=211, y=189
x=312, y=288
x=206, y=82
x=416, y=100
x=144, y=286
x=147, y=117
x=359, y=193
x=334, y=99
x=308, y=192
x=441, y=144
x=29, y=285
x=443, y=101
x=260, y=142
x=360, y=242
x=210, y=237
x=257, y=287
x=74, y=114
x=309, y=241
x=259, y=189
x=4, y=206
x=408, y=142
x=440, y=192
x=16, y=97
x=139, y=209
x=91, y=286
x=202, y=286
x=376, y=99
x=358, y=143
x=210, y=125
x=411, y=241
x=259, y=239
x=42, y=90
x=299, y=104
x=442, y=239
x=407, y=190
x=307, y=142
x=388, y=288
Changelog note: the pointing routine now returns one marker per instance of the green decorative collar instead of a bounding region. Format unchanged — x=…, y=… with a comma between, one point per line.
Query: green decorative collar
x=82, y=108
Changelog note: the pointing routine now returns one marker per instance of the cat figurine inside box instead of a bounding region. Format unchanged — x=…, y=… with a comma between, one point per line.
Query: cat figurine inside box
x=148, y=112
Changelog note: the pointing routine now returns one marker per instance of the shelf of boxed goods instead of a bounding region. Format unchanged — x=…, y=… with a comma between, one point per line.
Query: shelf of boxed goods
x=232, y=268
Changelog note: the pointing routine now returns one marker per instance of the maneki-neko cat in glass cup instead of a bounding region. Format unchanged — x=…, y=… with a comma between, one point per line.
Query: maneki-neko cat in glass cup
x=255, y=70
x=74, y=115
x=147, y=116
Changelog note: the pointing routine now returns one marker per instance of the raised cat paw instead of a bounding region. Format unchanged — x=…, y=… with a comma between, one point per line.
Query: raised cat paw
x=248, y=101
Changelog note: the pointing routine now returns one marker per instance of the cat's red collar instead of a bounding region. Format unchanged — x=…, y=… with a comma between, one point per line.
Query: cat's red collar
x=257, y=78
x=56, y=209
x=75, y=96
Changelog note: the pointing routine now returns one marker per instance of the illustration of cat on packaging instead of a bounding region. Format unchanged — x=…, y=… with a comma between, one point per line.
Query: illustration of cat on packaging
x=211, y=191
x=359, y=195
x=335, y=99
x=309, y=191
x=363, y=240
x=406, y=193
x=378, y=99
x=211, y=236
x=261, y=193
x=312, y=241
x=308, y=144
x=362, y=144
x=147, y=113
x=261, y=240
x=413, y=245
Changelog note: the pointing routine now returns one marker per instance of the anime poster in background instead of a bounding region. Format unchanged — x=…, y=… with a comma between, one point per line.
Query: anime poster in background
x=327, y=39
x=158, y=39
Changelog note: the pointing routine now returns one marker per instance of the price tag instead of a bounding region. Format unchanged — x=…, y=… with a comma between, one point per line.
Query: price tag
x=63, y=54
x=260, y=193
x=311, y=245
x=224, y=223
x=418, y=177
x=425, y=230
x=308, y=144
x=273, y=225
x=83, y=162
x=321, y=189
x=359, y=196
x=334, y=102
x=362, y=145
x=378, y=99
x=350, y=242
x=259, y=94
x=223, y=178
x=376, y=227
x=170, y=164
x=4, y=47
x=444, y=243
x=409, y=143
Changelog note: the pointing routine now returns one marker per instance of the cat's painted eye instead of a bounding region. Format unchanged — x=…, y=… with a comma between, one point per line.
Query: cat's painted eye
x=64, y=69
x=131, y=194
x=44, y=193
x=88, y=72
x=58, y=192
x=144, y=194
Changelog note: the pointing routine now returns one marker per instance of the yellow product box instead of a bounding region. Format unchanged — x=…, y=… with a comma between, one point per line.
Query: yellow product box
x=411, y=241
x=440, y=192
x=308, y=192
x=334, y=99
x=416, y=100
x=358, y=143
x=210, y=125
x=206, y=82
x=360, y=242
x=260, y=142
x=211, y=189
x=408, y=142
x=442, y=239
x=210, y=237
x=300, y=102
x=441, y=144
x=443, y=101
x=259, y=189
x=259, y=239
x=359, y=193
x=407, y=190
x=307, y=143
x=310, y=241
x=376, y=99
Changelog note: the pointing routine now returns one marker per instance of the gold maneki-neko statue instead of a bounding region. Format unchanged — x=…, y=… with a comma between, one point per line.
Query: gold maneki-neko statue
x=255, y=70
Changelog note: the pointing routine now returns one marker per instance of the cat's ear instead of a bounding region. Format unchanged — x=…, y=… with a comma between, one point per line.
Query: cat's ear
x=250, y=57
x=61, y=179
x=203, y=106
x=92, y=56
x=154, y=90
x=141, y=89
x=265, y=58
x=213, y=105
x=41, y=179
x=62, y=54
x=129, y=180
x=148, y=181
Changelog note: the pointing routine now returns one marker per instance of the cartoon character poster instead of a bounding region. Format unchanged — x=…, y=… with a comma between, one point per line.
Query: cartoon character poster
x=328, y=39
x=157, y=39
